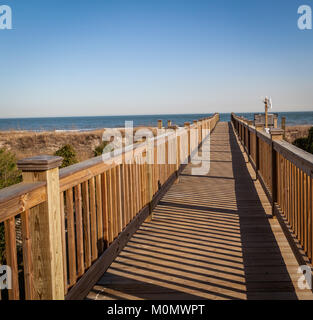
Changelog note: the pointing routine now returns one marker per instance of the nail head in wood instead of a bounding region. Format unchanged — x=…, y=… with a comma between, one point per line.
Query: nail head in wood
x=39, y=163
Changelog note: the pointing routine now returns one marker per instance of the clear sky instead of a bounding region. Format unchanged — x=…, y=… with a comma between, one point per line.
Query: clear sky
x=110, y=57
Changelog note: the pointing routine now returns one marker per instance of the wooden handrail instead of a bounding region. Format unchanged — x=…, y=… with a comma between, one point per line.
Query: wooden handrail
x=75, y=221
x=21, y=197
x=294, y=154
x=286, y=174
x=300, y=158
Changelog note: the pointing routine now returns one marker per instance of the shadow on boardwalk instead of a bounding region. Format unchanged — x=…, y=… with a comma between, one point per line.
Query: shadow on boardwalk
x=210, y=239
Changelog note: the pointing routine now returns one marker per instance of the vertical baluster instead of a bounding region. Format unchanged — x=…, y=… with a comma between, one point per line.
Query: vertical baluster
x=63, y=242
x=126, y=195
x=114, y=202
x=27, y=259
x=11, y=256
x=71, y=237
x=86, y=224
x=122, y=190
x=301, y=208
x=109, y=205
x=118, y=200
x=311, y=218
x=79, y=230
x=93, y=220
x=105, y=209
x=305, y=213
x=99, y=214
x=298, y=202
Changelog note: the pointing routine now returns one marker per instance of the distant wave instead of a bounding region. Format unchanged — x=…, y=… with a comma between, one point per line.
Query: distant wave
x=79, y=124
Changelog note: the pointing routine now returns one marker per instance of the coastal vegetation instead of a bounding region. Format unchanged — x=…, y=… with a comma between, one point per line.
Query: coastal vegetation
x=306, y=143
x=98, y=151
x=69, y=155
x=9, y=175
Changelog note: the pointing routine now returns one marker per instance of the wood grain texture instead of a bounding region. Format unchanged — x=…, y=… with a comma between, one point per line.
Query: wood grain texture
x=27, y=258
x=211, y=238
x=21, y=197
x=46, y=238
x=11, y=257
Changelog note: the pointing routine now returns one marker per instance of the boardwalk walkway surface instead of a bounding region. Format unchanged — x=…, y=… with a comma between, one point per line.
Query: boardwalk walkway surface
x=210, y=238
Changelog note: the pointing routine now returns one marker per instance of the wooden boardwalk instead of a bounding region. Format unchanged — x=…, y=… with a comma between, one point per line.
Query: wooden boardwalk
x=210, y=238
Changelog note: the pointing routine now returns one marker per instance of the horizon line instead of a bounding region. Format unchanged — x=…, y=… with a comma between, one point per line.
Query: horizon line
x=154, y=114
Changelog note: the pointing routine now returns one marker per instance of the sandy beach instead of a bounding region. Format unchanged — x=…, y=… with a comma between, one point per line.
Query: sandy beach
x=295, y=132
x=29, y=143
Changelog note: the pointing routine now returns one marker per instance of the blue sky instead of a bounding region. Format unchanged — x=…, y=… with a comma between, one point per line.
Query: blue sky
x=110, y=57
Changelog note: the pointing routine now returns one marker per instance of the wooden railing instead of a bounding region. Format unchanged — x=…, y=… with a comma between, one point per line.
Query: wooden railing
x=286, y=174
x=64, y=228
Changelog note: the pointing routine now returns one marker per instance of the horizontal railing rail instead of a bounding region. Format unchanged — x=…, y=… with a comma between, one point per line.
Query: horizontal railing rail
x=63, y=228
x=286, y=174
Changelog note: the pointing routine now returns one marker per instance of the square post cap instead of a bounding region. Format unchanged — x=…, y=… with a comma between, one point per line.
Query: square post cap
x=259, y=126
x=276, y=133
x=39, y=163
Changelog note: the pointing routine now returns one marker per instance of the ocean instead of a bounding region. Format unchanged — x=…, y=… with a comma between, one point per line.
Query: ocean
x=92, y=123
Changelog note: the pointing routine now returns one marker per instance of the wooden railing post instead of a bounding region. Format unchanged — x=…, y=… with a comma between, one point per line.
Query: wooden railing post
x=283, y=125
x=178, y=156
x=258, y=127
x=240, y=131
x=169, y=123
x=160, y=124
x=249, y=136
x=45, y=229
x=150, y=162
x=187, y=126
x=276, y=134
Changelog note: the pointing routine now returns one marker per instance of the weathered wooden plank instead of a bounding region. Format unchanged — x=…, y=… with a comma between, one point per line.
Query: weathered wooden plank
x=100, y=246
x=71, y=237
x=210, y=237
x=86, y=224
x=105, y=210
x=11, y=256
x=27, y=258
x=62, y=211
x=21, y=197
x=93, y=220
x=79, y=231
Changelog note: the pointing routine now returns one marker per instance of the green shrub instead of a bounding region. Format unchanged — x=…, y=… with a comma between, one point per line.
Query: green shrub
x=301, y=143
x=9, y=175
x=68, y=153
x=310, y=136
x=305, y=144
x=98, y=151
x=310, y=141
